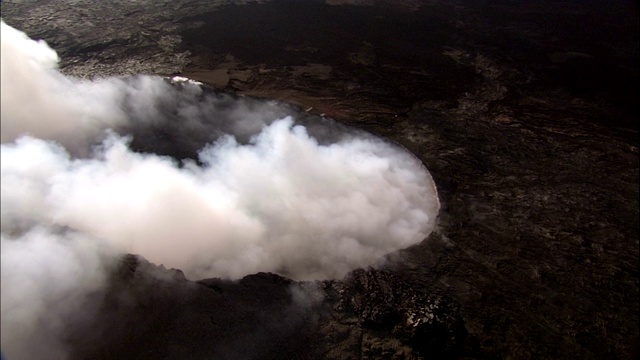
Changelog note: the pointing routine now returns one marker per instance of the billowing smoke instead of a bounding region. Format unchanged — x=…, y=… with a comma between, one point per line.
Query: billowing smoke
x=212, y=184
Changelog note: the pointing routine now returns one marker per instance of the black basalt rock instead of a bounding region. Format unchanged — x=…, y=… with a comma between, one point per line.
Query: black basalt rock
x=387, y=308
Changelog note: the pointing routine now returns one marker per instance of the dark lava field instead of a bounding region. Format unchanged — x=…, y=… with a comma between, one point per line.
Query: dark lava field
x=525, y=113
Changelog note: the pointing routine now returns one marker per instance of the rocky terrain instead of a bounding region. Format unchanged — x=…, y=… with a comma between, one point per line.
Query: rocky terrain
x=525, y=114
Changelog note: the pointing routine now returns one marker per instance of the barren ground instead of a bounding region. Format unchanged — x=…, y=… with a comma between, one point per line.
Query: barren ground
x=525, y=114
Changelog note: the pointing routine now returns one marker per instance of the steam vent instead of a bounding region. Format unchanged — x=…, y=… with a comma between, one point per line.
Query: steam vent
x=319, y=179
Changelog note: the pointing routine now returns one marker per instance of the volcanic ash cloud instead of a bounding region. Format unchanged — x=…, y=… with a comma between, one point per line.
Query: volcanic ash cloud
x=264, y=194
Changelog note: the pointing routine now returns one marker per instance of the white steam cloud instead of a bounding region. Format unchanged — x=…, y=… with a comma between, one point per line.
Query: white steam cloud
x=81, y=186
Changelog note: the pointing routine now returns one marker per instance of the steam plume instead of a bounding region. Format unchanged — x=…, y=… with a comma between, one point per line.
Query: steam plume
x=212, y=184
